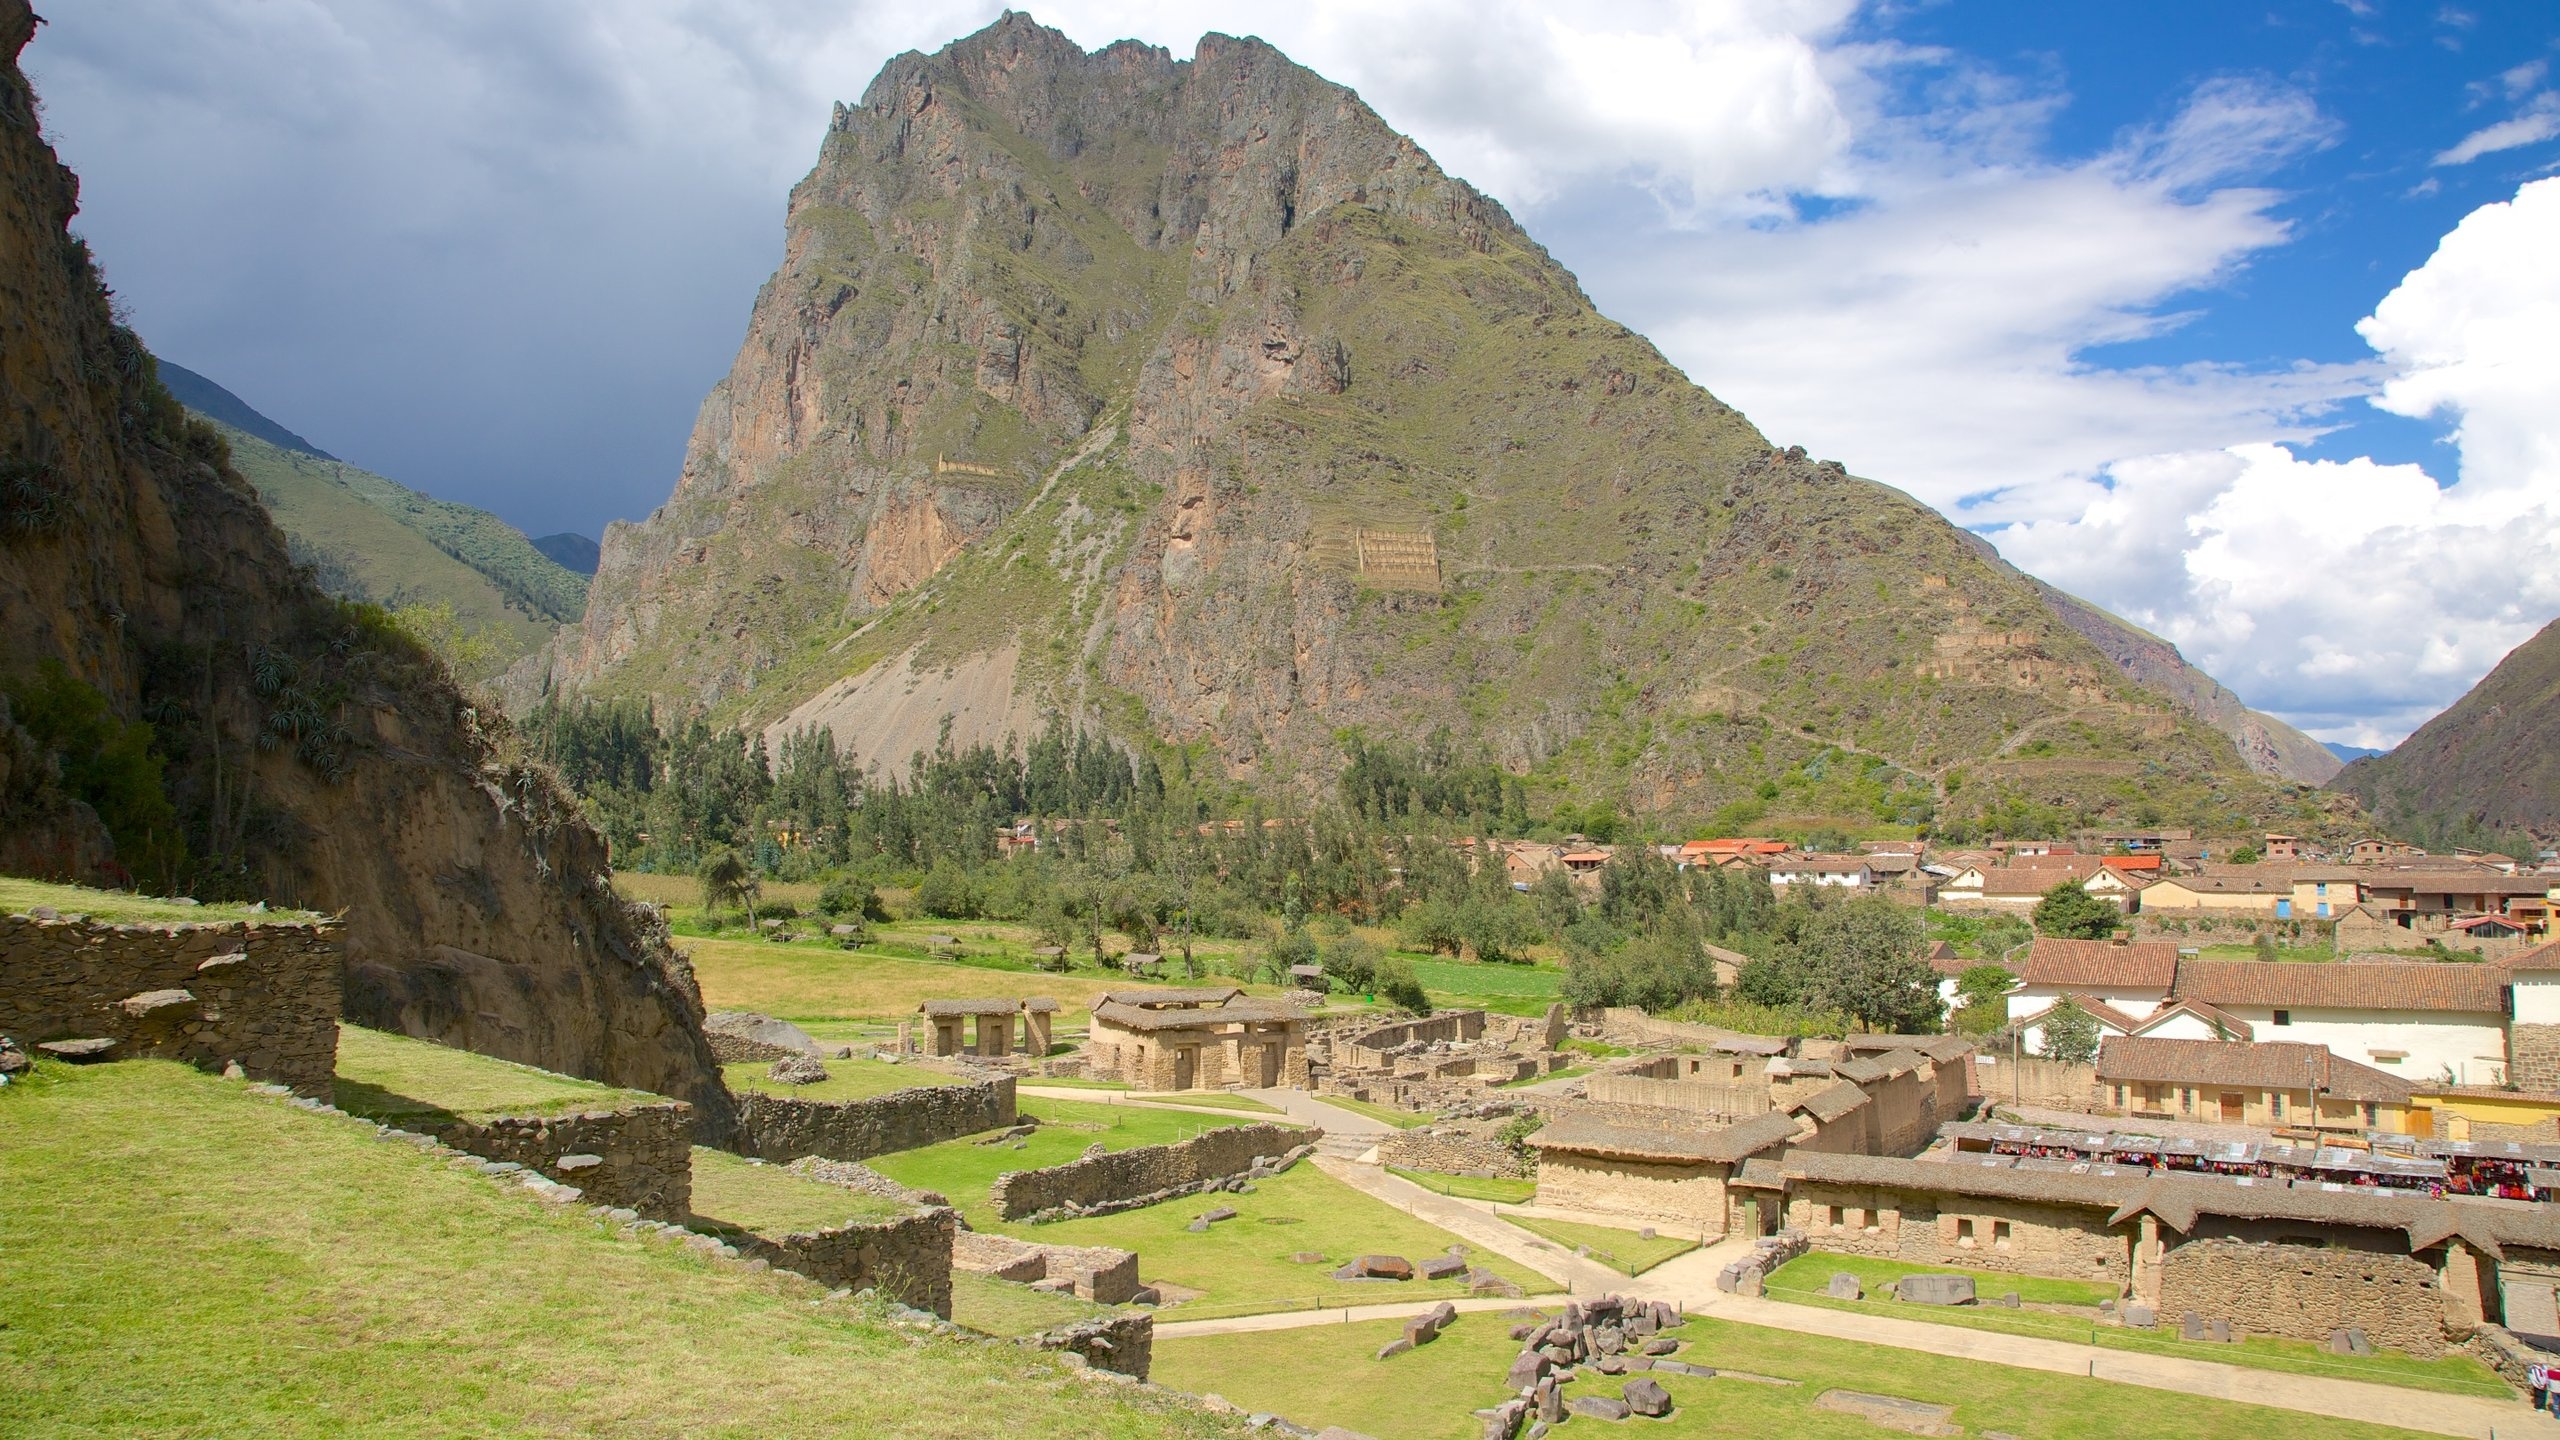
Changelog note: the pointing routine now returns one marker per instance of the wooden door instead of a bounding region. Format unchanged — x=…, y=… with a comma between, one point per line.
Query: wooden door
x=2235, y=1108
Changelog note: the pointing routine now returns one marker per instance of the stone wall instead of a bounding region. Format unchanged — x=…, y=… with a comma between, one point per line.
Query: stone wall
x=2306, y=1292
x=1966, y=1231
x=1118, y=1177
x=1368, y=1048
x=640, y=1158
x=1691, y=1196
x=1451, y=1151
x=1124, y=1343
x=265, y=996
x=781, y=1127
x=2533, y=1057
x=907, y=1259
x=1726, y=1100
x=2034, y=1080
x=1099, y=1273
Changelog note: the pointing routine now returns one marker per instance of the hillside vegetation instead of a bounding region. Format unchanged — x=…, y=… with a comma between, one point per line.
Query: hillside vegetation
x=1189, y=400
x=368, y=538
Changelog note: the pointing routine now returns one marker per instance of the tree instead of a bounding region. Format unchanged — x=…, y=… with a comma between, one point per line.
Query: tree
x=727, y=880
x=854, y=898
x=1980, y=993
x=944, y=892
x=1351, y=963
x=1401, y=986
x=1862, y=958
x=2070, y=911
x=2070, y=1033
x=2245, y=855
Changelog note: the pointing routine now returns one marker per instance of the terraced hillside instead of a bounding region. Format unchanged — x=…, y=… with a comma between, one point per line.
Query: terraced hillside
x=1188, y=397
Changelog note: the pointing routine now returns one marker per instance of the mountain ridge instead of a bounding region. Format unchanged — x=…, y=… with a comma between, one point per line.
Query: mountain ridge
x=218, y=404
x=1188, y=397
x=2488, y=766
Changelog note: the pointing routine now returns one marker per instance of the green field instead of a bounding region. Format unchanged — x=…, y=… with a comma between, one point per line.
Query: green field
x=1327, y=1375
x=1500, y=1189
x=731, y=1193
x=963, y=1169
x=18, y=896
x=1510, y=989
x=187, y=1258
x=1624, y=1251
x=846, y=1079
x=397, y=1080
x=1210, y=1100
x=1001, y=1307
x=1801, y=1281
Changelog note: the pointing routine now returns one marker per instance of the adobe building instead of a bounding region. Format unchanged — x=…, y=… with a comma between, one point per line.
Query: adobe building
x=948, y=1022
x=1196, y=1039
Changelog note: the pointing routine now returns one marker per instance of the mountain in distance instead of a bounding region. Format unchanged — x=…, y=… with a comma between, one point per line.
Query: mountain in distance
x=2489, y=766
x=1186, y=398
x=369, y=538
x=569, y=550
x=219, y=405
x=2349, y=753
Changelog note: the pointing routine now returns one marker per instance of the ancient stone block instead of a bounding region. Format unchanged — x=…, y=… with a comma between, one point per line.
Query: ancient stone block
x=1647, y=1397
x=1394, y=1348
x=1526, y=1370
x=1384, y=1267
x=1441, y=1267
x=1915, y=1417
x=2141, y=1317
x=1421, y=1330
x=1661, y=1345
x=2191, y=1326
x=1845, y=1286
x=1934, y=1289
x=1600, y=1407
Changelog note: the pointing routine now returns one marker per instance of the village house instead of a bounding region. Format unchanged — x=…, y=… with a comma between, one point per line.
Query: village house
x=1848, y=872
x=2422, y=1020
x=2278, y=1084
x=2376, y=848
x=2129, y=978
x=1196, y=1039
x=2259, y=890
x=2422, y=899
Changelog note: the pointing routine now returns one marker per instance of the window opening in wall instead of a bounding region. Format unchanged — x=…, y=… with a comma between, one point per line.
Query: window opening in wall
x=2000, y=1234
x=2284, y=1017
x=2275, y=1103
x=1964, y=1232
x=1837, y=1217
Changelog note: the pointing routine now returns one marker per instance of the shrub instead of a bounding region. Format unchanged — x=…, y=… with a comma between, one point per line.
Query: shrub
x=944, y=893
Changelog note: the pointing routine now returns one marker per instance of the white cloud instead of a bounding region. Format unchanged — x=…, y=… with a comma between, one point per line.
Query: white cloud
x=2354, y=598
x=2538, y=121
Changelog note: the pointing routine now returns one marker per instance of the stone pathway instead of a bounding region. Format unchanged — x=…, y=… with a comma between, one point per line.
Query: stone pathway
x=1348, y=1134
x=1689, y=1281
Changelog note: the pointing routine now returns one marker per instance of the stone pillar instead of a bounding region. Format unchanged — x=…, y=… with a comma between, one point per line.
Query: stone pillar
x=2146, y=1262
x=2460, y=1282
x=1035, y=1032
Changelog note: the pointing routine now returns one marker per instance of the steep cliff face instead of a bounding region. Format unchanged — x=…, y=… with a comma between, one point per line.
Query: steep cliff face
x=314, y=756
x=2490, y=764
x=1189, y=397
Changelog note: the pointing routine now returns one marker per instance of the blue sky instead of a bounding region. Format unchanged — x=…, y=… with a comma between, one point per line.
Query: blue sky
x=2087, y=277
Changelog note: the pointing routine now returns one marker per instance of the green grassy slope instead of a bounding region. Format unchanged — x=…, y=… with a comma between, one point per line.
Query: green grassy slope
x=369, y=538
x=188, y=1258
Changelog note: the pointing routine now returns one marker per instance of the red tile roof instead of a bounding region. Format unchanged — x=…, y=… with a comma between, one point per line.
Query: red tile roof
x=2266, y=1065
x=2102, y=964
x=2347, y=985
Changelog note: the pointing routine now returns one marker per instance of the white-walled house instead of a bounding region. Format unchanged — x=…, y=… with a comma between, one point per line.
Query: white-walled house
x=2422, y=1020
x=1849, y=872
x=2533, y=1026
x=2120, y=982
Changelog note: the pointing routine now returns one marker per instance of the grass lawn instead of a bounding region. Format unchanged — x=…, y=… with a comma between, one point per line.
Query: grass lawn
x=846, y=1079
x=1401, y=1119
x=1510, y=989
x=735, y=1193
x=1325, y=1375
x=1814, y=1271
x=1500, y=1189
x=1212, y=1099
x=1567, y=1073
x=18, y=896
x=1001, y=1307
x=392, y=1078
x=1800, y=1282
x=1624, y=1251
x=186, y=1258
x=1066, y=1082
x=1242, y=1266
x=963, y=1169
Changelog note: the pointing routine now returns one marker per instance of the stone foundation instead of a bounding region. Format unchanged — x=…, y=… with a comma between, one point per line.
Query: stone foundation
x=782, y=1128
x=907, y=1259
x=1098, y=1273
x=263, y=996
x=1125, y=1179
x=1964, y=1231
x=2304, y=1293
x=640, y=1158
x=1454, y=1152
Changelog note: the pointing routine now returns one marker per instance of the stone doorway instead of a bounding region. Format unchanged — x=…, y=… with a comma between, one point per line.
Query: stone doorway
x=1270, y=1067
x=1186, y=1066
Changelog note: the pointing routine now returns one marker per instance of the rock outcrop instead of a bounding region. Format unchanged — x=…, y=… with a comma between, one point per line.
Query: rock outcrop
x=2488, y=766
x=1187, y=397
x=311, y=754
